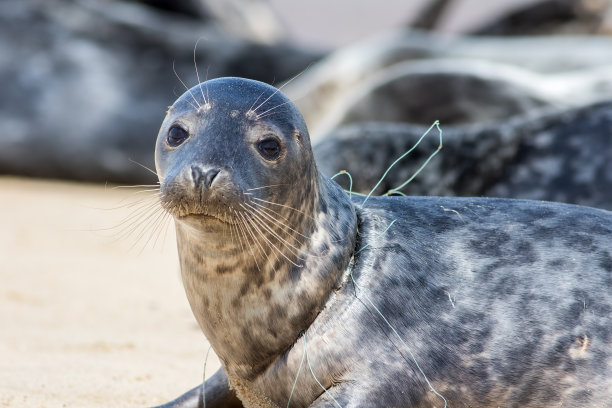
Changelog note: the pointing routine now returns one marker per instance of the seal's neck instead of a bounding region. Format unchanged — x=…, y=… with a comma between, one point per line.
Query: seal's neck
x=255, y=285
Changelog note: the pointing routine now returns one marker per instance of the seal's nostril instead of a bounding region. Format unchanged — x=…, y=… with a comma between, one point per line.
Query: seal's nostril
x=202, y=177
x=210, y=176
x=196, y=175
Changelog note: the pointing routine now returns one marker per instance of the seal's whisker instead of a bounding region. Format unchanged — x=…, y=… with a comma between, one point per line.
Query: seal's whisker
x=225, y=232
x=159, y=230
x=145, y=206
x=132, y=202
x=139, y=226
x=144, y=167
x=206, y=83
x=282, y=205
x=165, y=221
x=153, y=229
x=150, y=223
x=154, y=186
x=282, y=240
x=265, y=211
x=243, y=239
x=280, y=88
x=145, y=202
x=249, y=228
x=267, y=115
x=253, y=229
x=161, y=221
x=255, y=101
x=268, y=186
x=135, y=222
x=231, y=228
x=271, y=111
x=266, y=241
x=195, y=64
x=141, y=194
x=265, y=100
x=263, y=114
x=152, y=196
x=144, y=209
x=242, y=227
x=259, y=213
x=149, y=190
x=235, y=227
x=270, y=243
x=188, y=90
x=275, y=221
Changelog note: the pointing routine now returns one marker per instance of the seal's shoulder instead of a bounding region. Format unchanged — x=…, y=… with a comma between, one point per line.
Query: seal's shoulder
x=500, y=231
x=481, y=210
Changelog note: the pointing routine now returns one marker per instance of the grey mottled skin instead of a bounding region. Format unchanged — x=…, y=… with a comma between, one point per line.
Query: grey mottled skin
x=501, y=302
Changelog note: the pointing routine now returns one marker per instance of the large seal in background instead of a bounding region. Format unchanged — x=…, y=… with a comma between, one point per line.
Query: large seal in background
x=392, y=301
x=558, y=155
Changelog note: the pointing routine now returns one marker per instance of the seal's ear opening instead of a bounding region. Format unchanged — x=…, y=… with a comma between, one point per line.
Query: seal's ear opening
x=297, y=135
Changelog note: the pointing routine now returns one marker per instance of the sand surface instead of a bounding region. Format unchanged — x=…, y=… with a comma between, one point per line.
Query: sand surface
x=88, y=318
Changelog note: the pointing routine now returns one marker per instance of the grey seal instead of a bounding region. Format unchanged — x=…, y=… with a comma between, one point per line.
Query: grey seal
x=312, y=297
x=84, y=43
x=555, y=155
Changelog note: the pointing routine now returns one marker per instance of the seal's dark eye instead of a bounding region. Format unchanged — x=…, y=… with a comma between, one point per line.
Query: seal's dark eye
x=269, y=148
x=176, y=136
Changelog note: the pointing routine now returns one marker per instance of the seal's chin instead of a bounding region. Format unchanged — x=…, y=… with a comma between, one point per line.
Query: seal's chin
x=190, y=210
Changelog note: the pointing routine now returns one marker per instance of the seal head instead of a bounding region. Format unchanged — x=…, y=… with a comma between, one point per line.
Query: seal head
x=213, y=130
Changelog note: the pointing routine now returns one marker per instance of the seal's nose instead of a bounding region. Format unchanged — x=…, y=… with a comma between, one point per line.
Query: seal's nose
x=203, y=177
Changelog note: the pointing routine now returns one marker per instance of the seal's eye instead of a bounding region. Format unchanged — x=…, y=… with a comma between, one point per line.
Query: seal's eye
x=176, y=136
x=269, y=148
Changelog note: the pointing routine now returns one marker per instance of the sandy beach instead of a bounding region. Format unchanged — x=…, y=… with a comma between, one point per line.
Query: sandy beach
x=90, y=318
x=92, y=308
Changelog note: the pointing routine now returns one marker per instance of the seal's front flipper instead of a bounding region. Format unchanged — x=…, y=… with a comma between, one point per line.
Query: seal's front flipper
x=218, y=395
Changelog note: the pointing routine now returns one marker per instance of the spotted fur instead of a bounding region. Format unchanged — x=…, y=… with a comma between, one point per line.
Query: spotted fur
x=405, y=302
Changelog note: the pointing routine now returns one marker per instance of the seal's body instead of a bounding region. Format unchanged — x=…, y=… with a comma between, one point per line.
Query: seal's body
x=312, y=298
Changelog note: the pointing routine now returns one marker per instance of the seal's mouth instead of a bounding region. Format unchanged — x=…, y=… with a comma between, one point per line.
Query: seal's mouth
x=185, y=207
x=186, y=202
x=202, y=217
